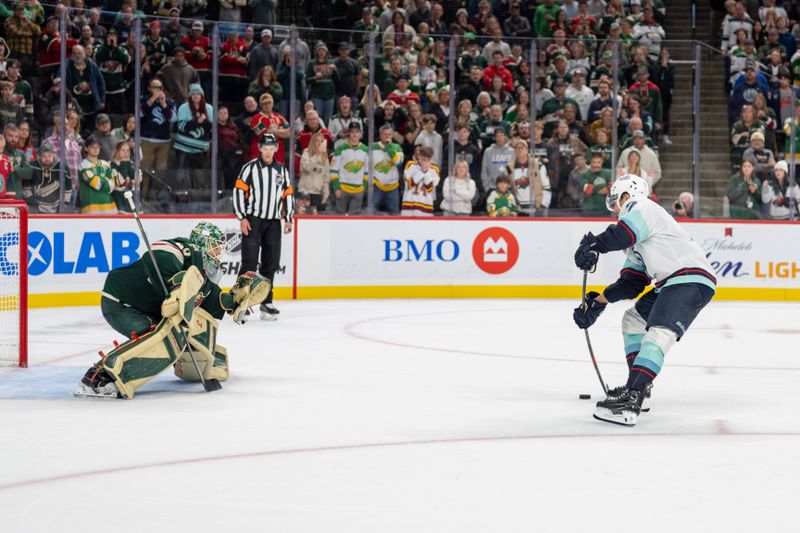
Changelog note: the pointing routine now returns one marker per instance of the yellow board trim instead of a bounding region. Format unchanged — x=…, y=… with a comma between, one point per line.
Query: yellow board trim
x=69, y=299
x=513, y=291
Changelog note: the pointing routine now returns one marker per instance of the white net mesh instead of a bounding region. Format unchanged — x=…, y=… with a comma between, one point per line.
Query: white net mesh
x=10, y=300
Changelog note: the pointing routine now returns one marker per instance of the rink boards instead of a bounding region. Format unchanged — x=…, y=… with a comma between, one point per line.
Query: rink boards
x=388, y=257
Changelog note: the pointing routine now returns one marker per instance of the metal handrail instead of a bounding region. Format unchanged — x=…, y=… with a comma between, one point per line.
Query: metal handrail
x=712, y=48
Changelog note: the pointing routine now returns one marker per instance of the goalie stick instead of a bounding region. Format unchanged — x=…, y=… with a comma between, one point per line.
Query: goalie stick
x=210, y=385
x=586, y=332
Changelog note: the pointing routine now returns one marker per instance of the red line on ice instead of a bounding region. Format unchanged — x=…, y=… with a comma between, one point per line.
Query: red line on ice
x=364, y=446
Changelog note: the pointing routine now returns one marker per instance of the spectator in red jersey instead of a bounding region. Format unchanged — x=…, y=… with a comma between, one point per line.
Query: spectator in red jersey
x=402, y=95
x=50, y=51
x=233, y=73
x=584, y=17
x=198, y=54
x=497, y=69
x=268, y=121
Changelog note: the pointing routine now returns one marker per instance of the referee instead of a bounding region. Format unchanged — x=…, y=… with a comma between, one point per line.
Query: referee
x=262, y=196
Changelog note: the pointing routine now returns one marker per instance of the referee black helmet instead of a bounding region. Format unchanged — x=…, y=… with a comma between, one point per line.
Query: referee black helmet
x=267, y=139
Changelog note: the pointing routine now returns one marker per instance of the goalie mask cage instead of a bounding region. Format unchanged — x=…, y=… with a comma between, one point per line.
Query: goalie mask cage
x=13, y=283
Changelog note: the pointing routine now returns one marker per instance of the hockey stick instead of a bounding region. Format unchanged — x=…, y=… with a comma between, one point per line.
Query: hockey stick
x=586, y=332
x=210, y=385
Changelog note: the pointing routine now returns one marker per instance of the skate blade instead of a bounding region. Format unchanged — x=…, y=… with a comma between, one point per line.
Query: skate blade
x=645, y=405
x=626, y=418
x=266, y=317
x=85, y=392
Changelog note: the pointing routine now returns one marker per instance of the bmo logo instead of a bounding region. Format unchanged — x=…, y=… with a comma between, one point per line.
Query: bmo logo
x=495, y=250
x=395, y=250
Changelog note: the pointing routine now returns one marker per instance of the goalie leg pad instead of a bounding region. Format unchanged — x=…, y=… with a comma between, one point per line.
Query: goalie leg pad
x=139, y=360
x=212, y=359
x=184, y=368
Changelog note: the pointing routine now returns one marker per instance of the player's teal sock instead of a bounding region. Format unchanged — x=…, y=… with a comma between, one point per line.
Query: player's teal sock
x=633, y=343
x=646, y=366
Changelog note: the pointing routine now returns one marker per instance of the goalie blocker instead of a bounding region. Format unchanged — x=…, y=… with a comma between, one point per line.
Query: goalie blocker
x=159, y=329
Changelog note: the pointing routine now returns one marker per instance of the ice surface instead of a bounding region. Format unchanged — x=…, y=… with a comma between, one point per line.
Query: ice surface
x=411, y=416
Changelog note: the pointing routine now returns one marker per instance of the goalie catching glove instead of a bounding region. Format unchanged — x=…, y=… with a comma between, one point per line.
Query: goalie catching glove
x=251, y=289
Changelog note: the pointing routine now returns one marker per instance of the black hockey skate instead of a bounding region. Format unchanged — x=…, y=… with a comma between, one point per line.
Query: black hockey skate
x=622, y=409
x=97, y=384
x=269, y=312
x=617, y=391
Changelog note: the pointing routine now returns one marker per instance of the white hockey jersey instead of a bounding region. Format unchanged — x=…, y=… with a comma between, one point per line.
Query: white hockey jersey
x=662, y=249
x=420, y=189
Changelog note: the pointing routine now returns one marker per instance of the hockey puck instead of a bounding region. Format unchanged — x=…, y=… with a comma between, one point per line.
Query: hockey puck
x=585, y=396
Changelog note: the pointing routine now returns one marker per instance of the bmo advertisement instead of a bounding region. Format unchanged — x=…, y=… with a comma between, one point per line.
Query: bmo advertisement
x=385, y=257
x=523, y=258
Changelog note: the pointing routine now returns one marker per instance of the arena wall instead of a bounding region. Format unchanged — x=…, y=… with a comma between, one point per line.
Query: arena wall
x=393, y=257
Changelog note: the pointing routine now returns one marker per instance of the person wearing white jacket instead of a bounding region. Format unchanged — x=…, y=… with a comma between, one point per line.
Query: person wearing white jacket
x=533, y=195
x=777, y=193
x=458, y=191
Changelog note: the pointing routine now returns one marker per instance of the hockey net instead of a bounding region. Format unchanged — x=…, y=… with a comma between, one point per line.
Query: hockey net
x=13, y=283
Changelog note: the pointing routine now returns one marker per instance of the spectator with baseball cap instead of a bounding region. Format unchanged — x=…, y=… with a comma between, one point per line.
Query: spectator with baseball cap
x=322, y=77
x=158, y=48
x=762, y=157
x=350, y=172
x=177, y=75
x=45, y=181
x=102, y=125
x=263, y=54
x=745, y=88
x=516, y=25
x=366, y=24
x=96, y=181
x=349, y=72
x=198, y=54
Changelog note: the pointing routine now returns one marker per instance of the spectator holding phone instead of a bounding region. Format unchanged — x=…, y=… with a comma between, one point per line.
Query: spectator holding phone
x=777, y=194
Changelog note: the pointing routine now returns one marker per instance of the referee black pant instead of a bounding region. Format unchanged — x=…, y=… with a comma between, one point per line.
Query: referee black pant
x=266, y=236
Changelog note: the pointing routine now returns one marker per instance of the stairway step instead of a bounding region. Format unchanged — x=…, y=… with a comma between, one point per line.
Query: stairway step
x=714, y=158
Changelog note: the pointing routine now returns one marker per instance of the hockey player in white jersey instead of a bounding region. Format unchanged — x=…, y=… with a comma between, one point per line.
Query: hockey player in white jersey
x=657, y=250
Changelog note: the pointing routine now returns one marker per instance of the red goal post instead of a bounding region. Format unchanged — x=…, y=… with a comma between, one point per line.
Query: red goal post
x=13, y=283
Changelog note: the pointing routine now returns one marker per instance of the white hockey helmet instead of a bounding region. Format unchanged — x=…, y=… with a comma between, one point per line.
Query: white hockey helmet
x=634, y=185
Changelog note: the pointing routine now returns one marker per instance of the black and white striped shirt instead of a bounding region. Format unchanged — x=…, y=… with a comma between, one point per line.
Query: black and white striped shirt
x=263, y=191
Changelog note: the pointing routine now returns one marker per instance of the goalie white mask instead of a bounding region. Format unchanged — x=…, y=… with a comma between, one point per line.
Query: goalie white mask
x=635, y=186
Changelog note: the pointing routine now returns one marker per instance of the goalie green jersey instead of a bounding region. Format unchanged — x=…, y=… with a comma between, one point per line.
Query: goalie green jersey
x=136, y=285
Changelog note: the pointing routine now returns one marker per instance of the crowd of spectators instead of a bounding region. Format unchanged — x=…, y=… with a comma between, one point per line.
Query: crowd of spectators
x=506, y=164
x=760, y=40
